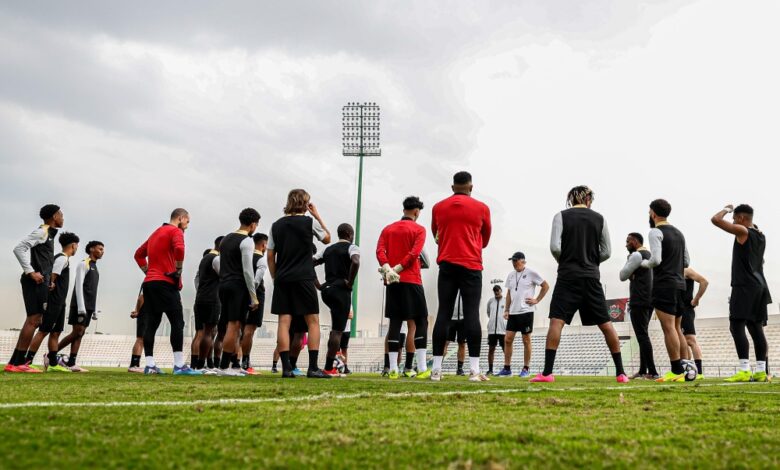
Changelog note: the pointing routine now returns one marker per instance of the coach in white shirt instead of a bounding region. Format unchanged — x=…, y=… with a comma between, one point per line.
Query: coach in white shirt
x=519, y=309
x=496, y=325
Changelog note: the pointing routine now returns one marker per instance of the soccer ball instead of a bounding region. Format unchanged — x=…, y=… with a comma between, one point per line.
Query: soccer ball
x=690, y=372
x=339, y=365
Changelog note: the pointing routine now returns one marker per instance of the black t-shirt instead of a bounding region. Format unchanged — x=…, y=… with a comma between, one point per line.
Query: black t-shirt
x=669, y=274
x=337, y=262
x=580, y=244
x=58, y=296
x=747, y=261
x=208, y=280
x=291, y=240
x=91, y=280
x=641, y=285
x=231, y=268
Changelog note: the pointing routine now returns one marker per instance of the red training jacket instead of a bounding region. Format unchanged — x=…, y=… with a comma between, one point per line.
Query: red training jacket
x=161, y=252
x=401, y=243
x=461, y=226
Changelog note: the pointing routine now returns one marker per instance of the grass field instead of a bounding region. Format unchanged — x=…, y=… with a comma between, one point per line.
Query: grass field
x=111, y=419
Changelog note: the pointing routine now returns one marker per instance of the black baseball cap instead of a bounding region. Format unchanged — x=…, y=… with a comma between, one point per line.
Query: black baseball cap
x=517, y=256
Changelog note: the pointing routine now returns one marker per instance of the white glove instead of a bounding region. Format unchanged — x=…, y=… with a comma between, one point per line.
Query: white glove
x=392, y=277
x=384, y=269
x=398, y=268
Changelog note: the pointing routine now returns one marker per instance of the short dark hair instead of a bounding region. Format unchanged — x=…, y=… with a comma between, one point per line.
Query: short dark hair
x=345, y=231
x=48, y=211
x=413, y=202
x=259, y=237
x=461, y=178
x=218, y=241
x=496, y=288
x=93, y=244
x=744, y=209
x=179, y=212
x=206, y=251
x=66, y=238
x=249, y=216
x=637, y=236
x=661, y=207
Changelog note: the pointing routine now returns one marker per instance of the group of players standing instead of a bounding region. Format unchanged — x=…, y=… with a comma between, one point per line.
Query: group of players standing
x=231, y=293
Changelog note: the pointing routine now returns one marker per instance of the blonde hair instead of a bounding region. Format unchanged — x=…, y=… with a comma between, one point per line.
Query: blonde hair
x=297, y=202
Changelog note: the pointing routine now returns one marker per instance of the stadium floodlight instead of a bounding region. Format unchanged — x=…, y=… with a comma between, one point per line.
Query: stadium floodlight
x=360, y=123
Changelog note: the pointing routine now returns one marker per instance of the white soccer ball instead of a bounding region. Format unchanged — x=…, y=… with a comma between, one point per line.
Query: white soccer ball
x=339, y=365
x=690, y=372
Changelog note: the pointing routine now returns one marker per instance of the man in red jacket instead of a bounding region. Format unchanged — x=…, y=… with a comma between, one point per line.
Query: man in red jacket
x=461, y=227
x=161, y=258
x=398, y=252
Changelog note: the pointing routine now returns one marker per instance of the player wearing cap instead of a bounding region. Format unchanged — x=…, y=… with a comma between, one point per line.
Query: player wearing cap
x=519, y=308
x=496, y=325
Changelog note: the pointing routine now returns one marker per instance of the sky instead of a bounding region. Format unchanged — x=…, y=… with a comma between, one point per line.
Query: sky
x=121, y=112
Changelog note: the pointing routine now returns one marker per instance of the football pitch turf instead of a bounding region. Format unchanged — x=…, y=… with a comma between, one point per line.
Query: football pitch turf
x=112, y=419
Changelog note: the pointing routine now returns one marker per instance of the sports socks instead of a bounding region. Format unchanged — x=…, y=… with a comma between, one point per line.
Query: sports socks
x=409, y=360
x=437, y=362
x=178, y=358
x=699, y=367
x=474, y=364
x=393, y=361
x=72, y=360
x=135, y=361
x=549, y=361
x=313, y=358
x=617, y=358
x=422, y=363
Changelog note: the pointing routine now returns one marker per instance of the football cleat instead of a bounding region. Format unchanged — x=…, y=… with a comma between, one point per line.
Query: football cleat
x=541, y=378
x=741, y=376
x=671, y=377
x=477, y=377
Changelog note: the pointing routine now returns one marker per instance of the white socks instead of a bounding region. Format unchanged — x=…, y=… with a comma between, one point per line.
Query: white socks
x=474, y=364
x=744, y=364
x=436, y=363
x=150, y=361
x=178, y=359
x=393, y=361
x=760, y=366
x=422, y=363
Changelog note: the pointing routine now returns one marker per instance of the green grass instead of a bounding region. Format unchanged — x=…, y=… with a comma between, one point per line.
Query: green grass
x=582, y=422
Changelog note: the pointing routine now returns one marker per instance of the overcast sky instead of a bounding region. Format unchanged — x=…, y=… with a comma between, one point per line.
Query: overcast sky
x=120, y=112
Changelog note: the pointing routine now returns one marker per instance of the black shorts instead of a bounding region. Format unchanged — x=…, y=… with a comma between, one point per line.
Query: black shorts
x=457, y=331
x=688, y=317
x=81, y=319
x=749, y=303
x=255, y=317
x=494, y=340
x=585, y=295
x=234, y=301
x=206, y=313
x=161, y=296
x=297, y=298
x=53, y=319
x=344, y=341
x=405, y=301
x=140, y=324
x=339, y=301
x=521, y=322
x=669, y=301
x=35, y=295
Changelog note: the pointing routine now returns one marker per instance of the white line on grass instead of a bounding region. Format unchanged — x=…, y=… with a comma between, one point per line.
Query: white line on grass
x=389, y=395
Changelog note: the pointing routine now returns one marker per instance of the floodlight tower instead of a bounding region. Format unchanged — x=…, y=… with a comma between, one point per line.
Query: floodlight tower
x=360, y=122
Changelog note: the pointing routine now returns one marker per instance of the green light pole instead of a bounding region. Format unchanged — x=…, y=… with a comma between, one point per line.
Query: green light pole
x=360, y=123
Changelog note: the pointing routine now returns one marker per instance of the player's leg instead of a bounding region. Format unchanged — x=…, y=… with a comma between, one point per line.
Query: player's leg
x=283, y=344
x=394, y=345
x=756, y=330
x=421, y=345
x=509, y=342
x=153, y=322
x=671, y=340
x=551, y=348
x=206, y=345
x=737, y=328
x=447, y=287
x=246, y=344
x=176, y=319
x=344, y=350
x=410, y=349
x=491, y=353
x=36, y=342
x=229, y=344
x=313, y=324
x=461, y=354
x=195, y=348
x=640, y=333
x=75, y=346
x=613, y=343
x=471, y=294
x=527, y=350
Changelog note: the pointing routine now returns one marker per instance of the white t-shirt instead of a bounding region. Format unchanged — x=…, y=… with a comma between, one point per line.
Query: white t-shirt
x=522, y=285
